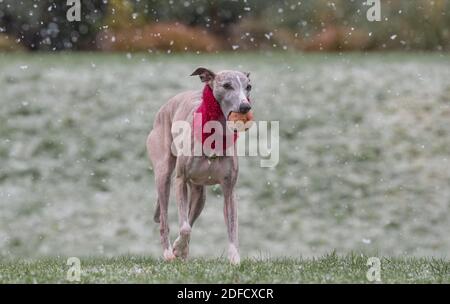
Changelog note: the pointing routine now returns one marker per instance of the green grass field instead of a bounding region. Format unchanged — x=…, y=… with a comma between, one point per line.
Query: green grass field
x=327, y=269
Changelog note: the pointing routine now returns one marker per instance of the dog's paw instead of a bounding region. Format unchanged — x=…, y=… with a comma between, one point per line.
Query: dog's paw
x=168, y=255
x=181, y=253
x=235, y=260
x=233, y=255
x=181, y=247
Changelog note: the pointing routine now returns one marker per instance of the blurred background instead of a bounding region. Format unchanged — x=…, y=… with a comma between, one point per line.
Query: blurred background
x=364, y=111
x=224, y=25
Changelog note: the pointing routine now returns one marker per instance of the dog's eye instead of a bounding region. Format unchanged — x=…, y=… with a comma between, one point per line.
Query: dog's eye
x=249, y=88
x=227, y=86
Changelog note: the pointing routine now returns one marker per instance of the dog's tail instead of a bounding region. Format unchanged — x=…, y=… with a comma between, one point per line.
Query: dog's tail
x=157, y=212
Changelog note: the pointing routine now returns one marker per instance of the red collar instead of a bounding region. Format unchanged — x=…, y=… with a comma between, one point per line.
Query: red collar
x=210, y=111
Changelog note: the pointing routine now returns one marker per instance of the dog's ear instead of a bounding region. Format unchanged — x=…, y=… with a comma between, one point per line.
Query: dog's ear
x=247, y=74
x=205, y=74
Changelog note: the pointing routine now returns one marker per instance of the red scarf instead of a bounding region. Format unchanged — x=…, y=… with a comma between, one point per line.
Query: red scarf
x=210, y=111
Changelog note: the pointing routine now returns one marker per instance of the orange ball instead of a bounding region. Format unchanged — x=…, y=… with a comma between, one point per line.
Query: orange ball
x=241, y=120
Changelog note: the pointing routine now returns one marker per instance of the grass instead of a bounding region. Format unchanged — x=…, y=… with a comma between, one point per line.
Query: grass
x=329, y=268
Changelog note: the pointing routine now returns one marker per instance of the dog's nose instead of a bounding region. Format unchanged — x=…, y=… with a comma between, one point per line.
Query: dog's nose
x=244, y=108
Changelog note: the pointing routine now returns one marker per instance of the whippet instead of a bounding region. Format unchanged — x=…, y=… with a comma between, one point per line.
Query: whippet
x=229, y=91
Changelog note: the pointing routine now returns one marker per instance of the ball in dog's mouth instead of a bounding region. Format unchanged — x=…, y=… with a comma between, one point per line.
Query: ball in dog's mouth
x=240, y=122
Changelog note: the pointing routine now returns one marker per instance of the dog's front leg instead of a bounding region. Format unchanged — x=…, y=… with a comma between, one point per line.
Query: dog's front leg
x=181, y=244
x=231, y=221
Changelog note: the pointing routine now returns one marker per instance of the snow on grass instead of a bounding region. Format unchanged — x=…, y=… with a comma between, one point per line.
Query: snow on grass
x=329, y=268
x=364, y=162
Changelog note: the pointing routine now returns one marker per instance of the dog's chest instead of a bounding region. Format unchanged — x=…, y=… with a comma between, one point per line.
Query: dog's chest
x=204, y=171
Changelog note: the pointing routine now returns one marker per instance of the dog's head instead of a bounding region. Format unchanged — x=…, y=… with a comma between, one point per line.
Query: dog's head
x=231, y=90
